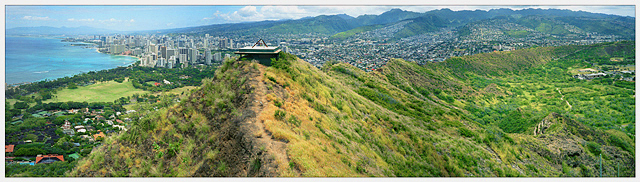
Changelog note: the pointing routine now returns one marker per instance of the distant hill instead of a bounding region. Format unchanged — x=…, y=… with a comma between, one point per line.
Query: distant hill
x=393, y=15
x=46, y=30
x=421, y=25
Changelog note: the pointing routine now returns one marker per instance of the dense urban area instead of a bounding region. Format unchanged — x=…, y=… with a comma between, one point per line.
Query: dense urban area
x=366, y=50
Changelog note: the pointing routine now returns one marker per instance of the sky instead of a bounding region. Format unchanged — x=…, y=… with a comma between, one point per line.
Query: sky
x=133, y=18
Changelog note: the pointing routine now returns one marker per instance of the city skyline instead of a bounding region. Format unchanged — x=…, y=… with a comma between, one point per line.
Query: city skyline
x=139, y=18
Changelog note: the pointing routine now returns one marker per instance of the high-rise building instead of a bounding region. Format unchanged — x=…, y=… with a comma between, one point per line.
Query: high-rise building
x=151, y=48
x=172, y=52
x=163, y=52
x=217, y=57
x=225, y=43
x=207, y=56
x=116, y=49
x=193, y=55
x=183, y=60
x=222, y=43
x=137, y=52
x=183, y=50
x=148, y=61
x=160, y=62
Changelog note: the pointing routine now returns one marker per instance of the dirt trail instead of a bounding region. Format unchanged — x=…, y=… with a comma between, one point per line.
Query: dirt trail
x=275, y=149
x=562, y=98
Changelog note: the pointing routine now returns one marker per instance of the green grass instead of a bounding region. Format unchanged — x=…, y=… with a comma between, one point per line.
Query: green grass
x=518, y=33
x=99, y=92
x=352, y=32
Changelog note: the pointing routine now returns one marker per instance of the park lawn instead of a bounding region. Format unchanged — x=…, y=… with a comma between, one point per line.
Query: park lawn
x=99, y=92
x=13, y=101
x=178, y=91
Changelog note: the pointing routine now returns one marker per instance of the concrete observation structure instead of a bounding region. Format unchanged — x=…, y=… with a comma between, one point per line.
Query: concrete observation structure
x=260, y=52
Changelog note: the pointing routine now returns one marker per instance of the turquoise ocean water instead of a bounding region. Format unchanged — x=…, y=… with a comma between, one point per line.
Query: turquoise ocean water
x=30, y=59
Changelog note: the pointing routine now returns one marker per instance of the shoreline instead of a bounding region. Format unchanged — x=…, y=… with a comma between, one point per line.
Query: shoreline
x=71, y=75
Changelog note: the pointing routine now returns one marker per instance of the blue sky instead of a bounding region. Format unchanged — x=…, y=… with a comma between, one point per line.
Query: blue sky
x=127, y=18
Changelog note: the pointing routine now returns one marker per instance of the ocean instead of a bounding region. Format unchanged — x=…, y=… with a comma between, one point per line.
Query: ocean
x=31, y=59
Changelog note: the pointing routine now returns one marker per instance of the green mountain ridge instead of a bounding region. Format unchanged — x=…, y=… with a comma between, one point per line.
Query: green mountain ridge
x=495, y=114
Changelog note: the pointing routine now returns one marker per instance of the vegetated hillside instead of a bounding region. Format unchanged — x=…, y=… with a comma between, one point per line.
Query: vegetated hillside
x=292, y=119
x=421, y=25
x=506, y=62
x=322, y=24
x=349, y=33
x=391, y=16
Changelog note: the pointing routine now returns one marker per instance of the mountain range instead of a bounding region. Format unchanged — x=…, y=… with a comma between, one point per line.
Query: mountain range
x=418, y=23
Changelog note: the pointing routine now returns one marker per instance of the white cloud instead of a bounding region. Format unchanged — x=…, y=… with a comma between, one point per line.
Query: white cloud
x=252, y=13
x=81, y=20
x=111, y=20
x=247, y=11
x=46, y=18
x=132, y=21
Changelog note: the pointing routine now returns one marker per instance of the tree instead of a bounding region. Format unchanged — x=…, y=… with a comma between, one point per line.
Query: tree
x=28, y=152
x=21, y=105
x=72, y=86
x=31, y=137
x=64, y=106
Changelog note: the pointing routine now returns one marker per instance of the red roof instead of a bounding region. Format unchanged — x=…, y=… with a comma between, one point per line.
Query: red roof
x=95, y=136
x=39, y=158
x=157, y=84
x=8, y=148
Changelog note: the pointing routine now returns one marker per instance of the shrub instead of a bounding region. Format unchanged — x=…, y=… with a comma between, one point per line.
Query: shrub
x=119, y=80
x=255, y=165
x=21, y=105
x=594, y=148
x=319, y=107
x=280, y=114
x=466, y=132
x=28, y=152
x=272, y=79
x=616, y=141
x=72, y=86
x=277, y=103
x=282, y=64
x=293, y=120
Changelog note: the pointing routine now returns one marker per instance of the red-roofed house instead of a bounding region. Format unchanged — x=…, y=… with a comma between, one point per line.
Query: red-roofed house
x=99, y=135
x=46, y=159
x=156, y=84
x=8, y=148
